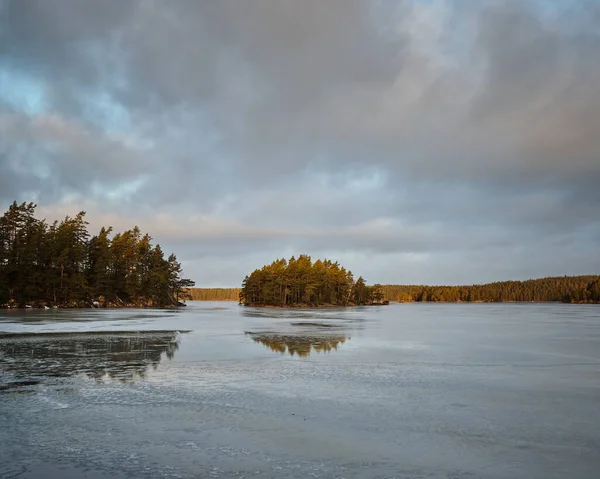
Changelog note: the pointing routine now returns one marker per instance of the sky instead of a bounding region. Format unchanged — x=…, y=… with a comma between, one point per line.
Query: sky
x=413, y=141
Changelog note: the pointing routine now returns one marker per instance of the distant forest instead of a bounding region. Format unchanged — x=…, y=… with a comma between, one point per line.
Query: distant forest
x=60, y=264
x=300, y=282
x=214, y=294
x=567, y=289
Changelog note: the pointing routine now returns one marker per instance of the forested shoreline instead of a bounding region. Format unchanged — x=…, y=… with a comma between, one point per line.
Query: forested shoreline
x=566, y=289
x=300, y=282
x=62, y=265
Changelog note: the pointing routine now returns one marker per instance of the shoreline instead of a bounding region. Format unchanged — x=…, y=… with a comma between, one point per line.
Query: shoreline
x=300, y=306
x=392, y=302
x=312, y=306
x=111, y=306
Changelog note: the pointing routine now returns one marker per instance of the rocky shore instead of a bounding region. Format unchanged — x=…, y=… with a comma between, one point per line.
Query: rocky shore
x=99, y=303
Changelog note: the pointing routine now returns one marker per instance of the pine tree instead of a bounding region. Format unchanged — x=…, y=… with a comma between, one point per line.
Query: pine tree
x=61, y=264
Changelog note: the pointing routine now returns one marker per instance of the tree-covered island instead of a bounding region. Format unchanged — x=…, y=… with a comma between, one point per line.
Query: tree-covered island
x=300, y=282
x=61, y=265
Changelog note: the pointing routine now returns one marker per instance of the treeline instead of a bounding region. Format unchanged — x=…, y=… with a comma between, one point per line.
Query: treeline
x=60, y=264
x=214, y=294
x=301, y=282
x=568, y=289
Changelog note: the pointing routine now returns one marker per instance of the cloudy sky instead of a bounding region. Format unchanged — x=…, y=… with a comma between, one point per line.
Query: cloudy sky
x=414, y=141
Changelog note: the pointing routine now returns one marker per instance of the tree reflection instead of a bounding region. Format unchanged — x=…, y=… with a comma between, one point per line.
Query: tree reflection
x=298, y=345
x=121, y=356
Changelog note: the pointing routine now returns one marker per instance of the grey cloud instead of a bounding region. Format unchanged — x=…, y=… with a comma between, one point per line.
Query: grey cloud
x=541, y=90
x=51, y=156
x=71, y=45
x=283, y=85
x=473, y=125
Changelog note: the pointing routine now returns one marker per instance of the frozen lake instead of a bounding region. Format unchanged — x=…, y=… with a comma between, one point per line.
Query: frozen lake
x=218, y=390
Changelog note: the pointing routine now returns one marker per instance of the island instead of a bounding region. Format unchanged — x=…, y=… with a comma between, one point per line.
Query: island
x=298, y=282
x=61, y=265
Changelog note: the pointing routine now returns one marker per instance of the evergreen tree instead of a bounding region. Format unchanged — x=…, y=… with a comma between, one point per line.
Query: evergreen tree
x=301, y=282
x=569, y=289
x=361, y=294
x=60, y=264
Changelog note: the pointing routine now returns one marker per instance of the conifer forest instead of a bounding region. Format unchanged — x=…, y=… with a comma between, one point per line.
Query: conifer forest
x=62, y=264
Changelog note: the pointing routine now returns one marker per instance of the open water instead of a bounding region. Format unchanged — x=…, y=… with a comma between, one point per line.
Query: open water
x=217, y=390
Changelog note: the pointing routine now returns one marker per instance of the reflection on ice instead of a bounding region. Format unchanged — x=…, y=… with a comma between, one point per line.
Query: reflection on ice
x=124, y=356
x=300, y=345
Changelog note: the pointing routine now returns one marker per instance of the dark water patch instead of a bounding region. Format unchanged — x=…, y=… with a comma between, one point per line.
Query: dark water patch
x=82, y=316
x=309, y=324
x=18, y=385
x=108, y=355
x=60, y=335
x=289, y=313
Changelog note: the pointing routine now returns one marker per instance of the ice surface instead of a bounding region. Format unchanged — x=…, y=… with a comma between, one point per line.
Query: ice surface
x=219, y=390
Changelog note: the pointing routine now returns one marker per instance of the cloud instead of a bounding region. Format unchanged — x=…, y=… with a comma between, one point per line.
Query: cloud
x=47, y=157
x=454, y=137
